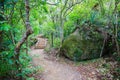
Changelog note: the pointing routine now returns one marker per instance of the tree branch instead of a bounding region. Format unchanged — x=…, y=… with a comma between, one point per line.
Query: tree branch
x=64, y=6
x=71, y=7
x=50, y=3
x=28, y=31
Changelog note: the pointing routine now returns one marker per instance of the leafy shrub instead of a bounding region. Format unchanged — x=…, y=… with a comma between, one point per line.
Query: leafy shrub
x=7, y=63
x=57, y=42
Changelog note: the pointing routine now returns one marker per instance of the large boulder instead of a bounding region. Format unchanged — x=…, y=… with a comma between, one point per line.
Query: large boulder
x=82, y=45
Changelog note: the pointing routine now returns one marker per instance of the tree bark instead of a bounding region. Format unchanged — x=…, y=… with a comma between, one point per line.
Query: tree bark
x=28, y=32
x=116, y=27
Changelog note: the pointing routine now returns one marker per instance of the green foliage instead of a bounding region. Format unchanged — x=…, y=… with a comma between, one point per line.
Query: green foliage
x=47, y=20
x=31, y=78
x=68, y=28
x=25, y=59
x=11, y=31
x=5, y=27
x=56, y=42
x=29, y=70
x=7, y=63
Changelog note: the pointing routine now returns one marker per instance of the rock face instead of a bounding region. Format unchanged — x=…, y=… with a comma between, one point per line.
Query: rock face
x=82, y=45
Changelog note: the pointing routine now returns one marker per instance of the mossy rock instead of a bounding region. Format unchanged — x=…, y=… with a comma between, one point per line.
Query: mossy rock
x=82, y=46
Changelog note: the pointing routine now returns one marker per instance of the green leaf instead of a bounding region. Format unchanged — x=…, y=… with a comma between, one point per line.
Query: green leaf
x=10, y=61
x=5, y=27
x=45, y=8
x=32, y=78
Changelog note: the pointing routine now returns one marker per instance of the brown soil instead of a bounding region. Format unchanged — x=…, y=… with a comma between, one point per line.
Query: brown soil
x=60, y=69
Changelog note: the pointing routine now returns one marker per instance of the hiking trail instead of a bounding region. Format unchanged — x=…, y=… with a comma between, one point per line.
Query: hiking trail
x=54, y=69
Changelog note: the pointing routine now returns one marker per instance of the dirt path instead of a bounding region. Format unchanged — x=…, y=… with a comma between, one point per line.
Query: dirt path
x=54, y=70
x=60, y=70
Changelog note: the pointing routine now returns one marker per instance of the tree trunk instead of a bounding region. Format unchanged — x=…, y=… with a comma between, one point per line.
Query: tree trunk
x=52, y=39
x=116, y=27
x=61, y=29
x=28, y=32
x=1, y=19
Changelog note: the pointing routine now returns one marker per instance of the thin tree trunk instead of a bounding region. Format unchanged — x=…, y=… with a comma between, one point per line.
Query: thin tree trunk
x=116, y=27
x=27, y=46
x=62, y=22
x=103, y=47
x=12, y=37
x=52, y=39
x=1, y=19
x=28, y=32
x=116, y=30
x=2, y=6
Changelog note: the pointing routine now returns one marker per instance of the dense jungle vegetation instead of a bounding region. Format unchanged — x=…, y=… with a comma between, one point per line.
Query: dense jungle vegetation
x=78, y=30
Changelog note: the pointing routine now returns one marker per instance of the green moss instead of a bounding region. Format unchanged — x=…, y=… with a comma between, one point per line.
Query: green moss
x=87, y=47
x=71, y=46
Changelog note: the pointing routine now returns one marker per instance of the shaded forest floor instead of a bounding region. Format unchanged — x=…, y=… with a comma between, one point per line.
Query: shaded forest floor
x=64, y=69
